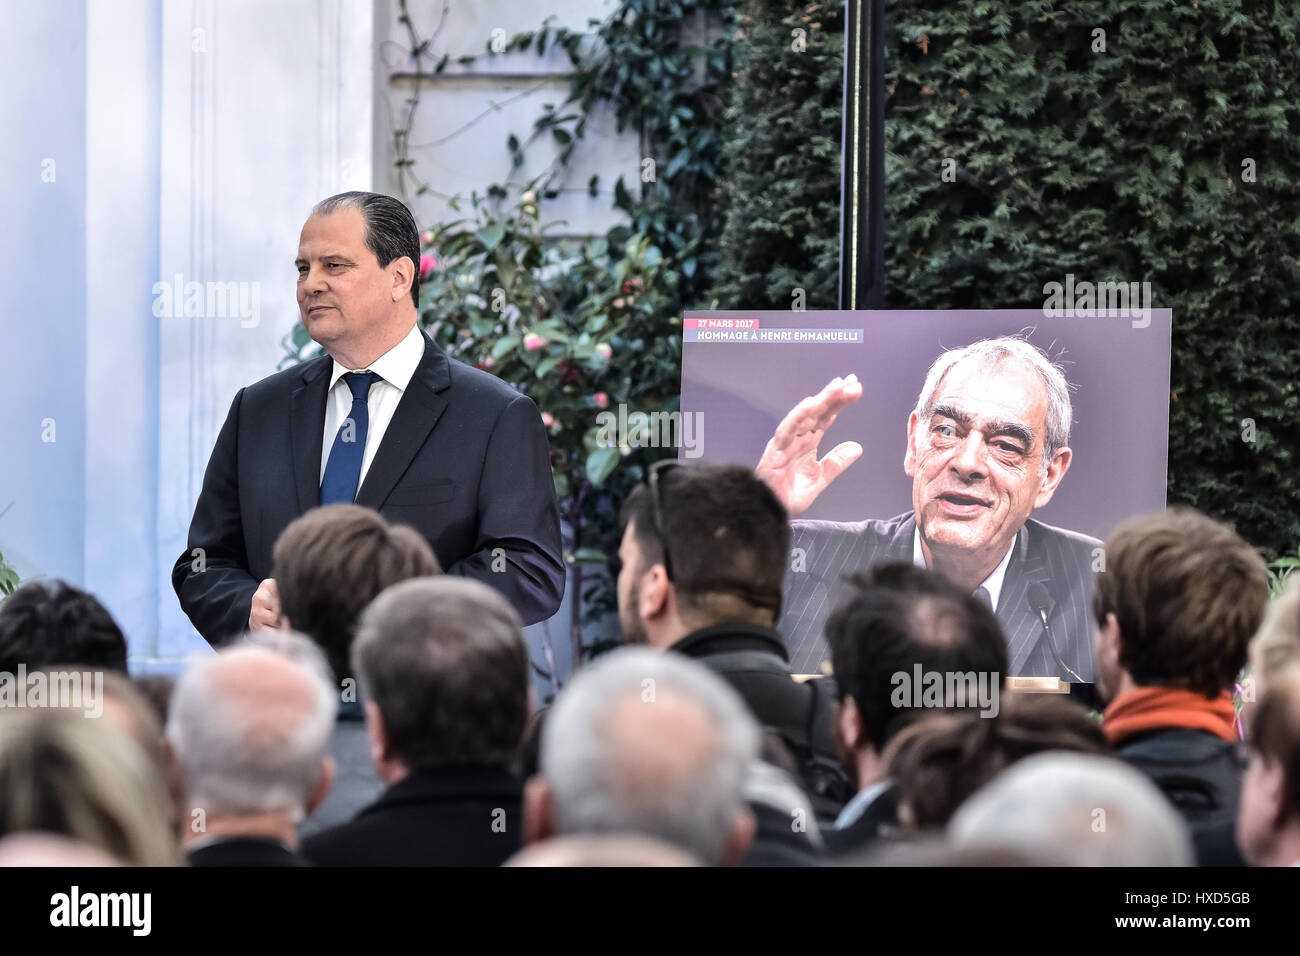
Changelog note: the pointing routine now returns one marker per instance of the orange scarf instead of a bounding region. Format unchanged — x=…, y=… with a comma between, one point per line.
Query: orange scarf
x=1155, y=708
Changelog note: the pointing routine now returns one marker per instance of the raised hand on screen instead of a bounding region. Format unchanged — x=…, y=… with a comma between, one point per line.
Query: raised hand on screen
x=790, y=466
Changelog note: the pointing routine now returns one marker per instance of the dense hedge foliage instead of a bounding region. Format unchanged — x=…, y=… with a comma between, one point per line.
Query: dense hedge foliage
x=1128, y=162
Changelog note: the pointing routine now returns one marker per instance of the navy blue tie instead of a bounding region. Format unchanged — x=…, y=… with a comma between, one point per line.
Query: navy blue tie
x=343, y=469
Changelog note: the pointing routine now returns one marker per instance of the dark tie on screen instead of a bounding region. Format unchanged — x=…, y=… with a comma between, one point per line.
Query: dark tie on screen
x=982, y=595
x=343, y=469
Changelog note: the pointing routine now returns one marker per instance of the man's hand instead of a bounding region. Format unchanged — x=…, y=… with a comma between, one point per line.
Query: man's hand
x=789, y=465
x=266, y=607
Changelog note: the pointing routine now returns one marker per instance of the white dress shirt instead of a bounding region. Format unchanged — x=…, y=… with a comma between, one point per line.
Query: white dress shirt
x=395, y=368
x=992, y=584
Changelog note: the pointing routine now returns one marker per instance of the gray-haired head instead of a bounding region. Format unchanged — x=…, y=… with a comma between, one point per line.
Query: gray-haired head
x=445, y=661
x=1060, y=413
x=391, y=231
x=652, y=743
x=251, y=725
x=1074, y=810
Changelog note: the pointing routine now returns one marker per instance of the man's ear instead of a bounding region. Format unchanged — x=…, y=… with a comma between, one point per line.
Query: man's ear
x=1273, y=780
x=381, y=746
x=1112, y=638
x=321, y=789
x=539, y=823
x=653, y=598
x=910, y=456
x=404, y=273
x=849, y=724
x=739, y=839
x=1056, y=469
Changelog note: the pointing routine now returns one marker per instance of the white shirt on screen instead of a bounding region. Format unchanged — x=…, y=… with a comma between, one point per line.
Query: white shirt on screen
x=992, y=584
x=395, y=367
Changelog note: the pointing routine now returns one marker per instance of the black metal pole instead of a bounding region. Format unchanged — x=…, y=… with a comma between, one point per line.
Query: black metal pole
x=862, y=176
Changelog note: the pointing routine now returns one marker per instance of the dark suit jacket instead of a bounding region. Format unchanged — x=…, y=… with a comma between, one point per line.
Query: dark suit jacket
x=464, y=461
x=244, y=852
x=1060, y=560
x=452, y=817
x=876, y=822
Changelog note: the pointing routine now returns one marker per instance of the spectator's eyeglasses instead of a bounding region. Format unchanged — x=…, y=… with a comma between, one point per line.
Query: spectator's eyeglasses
x=656, y=507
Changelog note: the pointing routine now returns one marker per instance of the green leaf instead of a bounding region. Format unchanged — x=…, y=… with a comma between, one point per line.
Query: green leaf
x=601, y=464
x=507, y=343
x=492, y=235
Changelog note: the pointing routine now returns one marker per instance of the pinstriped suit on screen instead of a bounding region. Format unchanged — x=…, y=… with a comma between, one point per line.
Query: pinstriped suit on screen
x=1061, y=560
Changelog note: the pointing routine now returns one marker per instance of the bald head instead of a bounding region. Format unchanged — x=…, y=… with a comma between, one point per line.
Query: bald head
x=250, y=726
x=649, y=743
x=669, y=740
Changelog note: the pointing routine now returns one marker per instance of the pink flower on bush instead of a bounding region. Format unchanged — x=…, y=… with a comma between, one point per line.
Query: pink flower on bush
x=548, y=419
x=603, y=350
x=601, y=400
x=533, y=341
x=488, y=362
x=427, y=265
x=426, y=237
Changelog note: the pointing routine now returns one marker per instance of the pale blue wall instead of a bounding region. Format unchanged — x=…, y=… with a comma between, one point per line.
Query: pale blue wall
x=43, y=293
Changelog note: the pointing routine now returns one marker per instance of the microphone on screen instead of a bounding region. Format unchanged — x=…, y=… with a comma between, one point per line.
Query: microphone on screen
x=1041, y=601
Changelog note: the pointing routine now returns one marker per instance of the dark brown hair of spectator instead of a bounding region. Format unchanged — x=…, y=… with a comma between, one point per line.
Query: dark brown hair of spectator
x=49, y=623
x=333, y=561
x=1188, y=594
x=901, y=616
x=938, y=762
x=728, y=539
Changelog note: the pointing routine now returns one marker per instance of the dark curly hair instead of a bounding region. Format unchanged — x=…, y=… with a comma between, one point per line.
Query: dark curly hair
x=48, y=623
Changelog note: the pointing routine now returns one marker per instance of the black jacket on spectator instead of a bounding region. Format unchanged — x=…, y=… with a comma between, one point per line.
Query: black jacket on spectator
x=753, y=660
x=466, y=816
x=777, y=842
x=1201, y=775
x=877, y=822
x=244, y=852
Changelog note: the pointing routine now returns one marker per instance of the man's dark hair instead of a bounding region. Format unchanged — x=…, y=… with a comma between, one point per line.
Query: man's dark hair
x=331, y=562
x=901, y=616
x=1188, y=594
x=445, y=661
x=52, y=623
x=390, y=229
x=728, y=537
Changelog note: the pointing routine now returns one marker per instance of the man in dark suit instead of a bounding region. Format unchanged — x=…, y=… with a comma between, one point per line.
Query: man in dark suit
x=385, y=419
x=443, y=668
x=987, y=443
